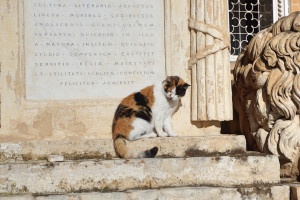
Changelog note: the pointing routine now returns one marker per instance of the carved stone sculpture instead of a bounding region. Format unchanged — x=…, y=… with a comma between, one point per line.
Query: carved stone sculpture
x=209, y=62
x=266, y=92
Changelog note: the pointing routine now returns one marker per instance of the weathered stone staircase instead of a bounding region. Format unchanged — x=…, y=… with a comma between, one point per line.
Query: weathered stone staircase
x=210, y=167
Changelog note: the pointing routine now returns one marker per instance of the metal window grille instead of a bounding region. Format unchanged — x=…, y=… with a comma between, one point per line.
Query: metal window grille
x=246, y=18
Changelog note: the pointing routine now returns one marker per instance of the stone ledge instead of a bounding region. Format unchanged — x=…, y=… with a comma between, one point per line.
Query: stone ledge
x=103, y=149
x=275, y=192
x=120, y=174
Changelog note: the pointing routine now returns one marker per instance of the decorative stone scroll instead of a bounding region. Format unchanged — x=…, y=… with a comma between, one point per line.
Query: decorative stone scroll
x=267, y=90
x=209, y=62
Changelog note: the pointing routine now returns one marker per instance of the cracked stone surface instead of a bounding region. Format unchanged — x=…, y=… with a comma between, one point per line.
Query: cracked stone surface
x=120, y=174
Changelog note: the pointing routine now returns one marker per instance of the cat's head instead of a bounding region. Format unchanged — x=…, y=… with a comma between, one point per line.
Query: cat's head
x=174, y=87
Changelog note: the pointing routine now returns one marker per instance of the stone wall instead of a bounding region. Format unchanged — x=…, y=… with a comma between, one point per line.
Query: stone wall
x=33, y=103
x=295, y=5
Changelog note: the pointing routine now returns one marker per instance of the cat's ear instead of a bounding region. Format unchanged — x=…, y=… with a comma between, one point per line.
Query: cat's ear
x=185, y=86
x=169, y=79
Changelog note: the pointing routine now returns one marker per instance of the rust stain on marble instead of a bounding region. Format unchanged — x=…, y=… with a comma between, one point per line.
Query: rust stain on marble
x=22, y=128
x=76, y=126
x=12, y=54
x=8, y=81
x=69, y=121
x=18, y=85
x=43, y=123
x=8, y=6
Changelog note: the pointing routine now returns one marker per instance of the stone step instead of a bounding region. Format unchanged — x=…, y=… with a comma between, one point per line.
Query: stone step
x=103, y=149
x=275, y=192
x=151, y=173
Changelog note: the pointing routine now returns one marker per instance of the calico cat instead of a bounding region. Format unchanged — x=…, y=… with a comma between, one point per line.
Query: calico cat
x=140, y=113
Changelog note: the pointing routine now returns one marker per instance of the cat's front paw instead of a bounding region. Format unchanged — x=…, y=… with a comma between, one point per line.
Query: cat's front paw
x=173, y=134
x=152, y=134
x=162, y=134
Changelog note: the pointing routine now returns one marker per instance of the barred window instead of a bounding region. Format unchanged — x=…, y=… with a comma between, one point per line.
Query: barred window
x=246, y=18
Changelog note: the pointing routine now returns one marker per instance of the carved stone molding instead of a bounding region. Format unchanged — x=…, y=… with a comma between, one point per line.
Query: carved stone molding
x=209, y=62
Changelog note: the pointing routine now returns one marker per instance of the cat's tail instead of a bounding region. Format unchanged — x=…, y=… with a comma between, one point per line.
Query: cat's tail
x=123, y=151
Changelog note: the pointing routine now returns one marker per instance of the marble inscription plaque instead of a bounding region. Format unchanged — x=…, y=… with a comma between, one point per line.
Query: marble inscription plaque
x=86, y=49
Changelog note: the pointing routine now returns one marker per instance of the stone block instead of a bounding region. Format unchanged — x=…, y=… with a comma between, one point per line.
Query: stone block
x=103, y=149
x=279, y=192
x=55, y=158
x=295, y=192
x=121, y=175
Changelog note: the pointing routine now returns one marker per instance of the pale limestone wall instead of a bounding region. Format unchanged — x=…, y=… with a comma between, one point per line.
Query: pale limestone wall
x=88, y=119
x=295, y=5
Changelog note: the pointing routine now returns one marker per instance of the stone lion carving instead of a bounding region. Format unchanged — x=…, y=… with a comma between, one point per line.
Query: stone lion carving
x=267, y=90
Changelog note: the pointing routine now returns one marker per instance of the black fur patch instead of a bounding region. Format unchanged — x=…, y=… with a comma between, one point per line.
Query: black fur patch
x=120, y=136
x=167, y=86
x=180, y=90
x=144, y=133
x=140, y=99
x=144, y=113
x=151, y=153
x=113, y=125
x=176, y=79
x=123, y=111
x=143, y=116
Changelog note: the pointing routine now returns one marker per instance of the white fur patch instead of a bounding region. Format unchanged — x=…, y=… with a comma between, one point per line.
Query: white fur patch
x=163, y=108
x=140, y=127
x=162, y=111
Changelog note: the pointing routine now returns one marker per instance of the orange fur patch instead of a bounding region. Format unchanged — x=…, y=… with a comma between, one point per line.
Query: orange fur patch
x=148, y=92
x=123, y=126
x=181, y=82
